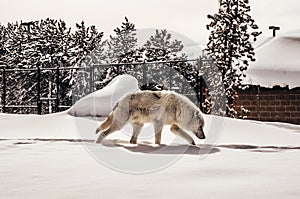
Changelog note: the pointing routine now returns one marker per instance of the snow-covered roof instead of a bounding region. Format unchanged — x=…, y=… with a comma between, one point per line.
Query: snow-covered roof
x=278, y=63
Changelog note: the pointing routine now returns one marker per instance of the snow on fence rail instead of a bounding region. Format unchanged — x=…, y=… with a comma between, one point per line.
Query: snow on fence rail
x=44, y=90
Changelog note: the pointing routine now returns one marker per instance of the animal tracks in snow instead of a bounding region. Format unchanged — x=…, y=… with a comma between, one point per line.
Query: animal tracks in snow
x=145, y=147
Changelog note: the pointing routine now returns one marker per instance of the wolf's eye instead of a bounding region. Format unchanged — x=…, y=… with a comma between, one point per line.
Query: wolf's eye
x=197, y=114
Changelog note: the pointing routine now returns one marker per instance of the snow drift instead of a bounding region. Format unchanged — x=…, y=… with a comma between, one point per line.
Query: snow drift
x=101, y=103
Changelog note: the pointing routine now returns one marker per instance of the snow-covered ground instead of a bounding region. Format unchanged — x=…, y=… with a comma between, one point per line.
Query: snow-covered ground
x=53, y=156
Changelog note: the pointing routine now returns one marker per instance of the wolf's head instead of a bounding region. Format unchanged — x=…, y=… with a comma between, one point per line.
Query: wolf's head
x=197, y=125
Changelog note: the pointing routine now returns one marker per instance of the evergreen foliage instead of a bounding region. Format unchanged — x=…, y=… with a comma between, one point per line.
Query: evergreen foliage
x=232, y=31
x=50, y=44
x=122, y=42
x=162, y=40
x=44, y=44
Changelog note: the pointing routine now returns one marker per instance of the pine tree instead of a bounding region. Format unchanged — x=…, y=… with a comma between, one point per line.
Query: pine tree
x=162, y=47
x=123, y=42
x=87, y=49
x=118, y=50
x=2, y=43
x=162, y=40
x=232, y=30
x=46, y=44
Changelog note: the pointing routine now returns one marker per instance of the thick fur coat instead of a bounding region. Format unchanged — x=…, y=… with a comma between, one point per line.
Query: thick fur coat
x=157, y=107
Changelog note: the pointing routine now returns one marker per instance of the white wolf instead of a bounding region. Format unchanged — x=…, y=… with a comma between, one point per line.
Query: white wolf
x=158, y=107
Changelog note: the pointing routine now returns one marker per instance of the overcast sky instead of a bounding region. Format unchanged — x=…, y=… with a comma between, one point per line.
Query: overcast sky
x=187, y=17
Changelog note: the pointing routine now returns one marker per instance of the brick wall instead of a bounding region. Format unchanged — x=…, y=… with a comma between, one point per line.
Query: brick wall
x=271, y=104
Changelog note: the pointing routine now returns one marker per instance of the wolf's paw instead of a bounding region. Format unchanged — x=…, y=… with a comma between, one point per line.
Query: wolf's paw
x=132, y=141
x=97, y=131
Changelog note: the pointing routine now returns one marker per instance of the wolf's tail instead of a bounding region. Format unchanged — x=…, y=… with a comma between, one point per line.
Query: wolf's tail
x=106, y=124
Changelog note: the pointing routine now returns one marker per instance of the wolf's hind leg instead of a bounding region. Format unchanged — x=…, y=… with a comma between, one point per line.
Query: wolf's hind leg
x=103, y=135
x=137, y=127
x=120, y=119
x=158, y=126
x=180, y=132
x=114, y=127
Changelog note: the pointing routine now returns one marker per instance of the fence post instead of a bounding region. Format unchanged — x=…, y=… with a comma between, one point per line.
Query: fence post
x=200, y=84
x=118, y=69
x=39, y=103
x=170, y=76
x=57, y=90
x=145, y=68
x=4, y=91
x=91, y=79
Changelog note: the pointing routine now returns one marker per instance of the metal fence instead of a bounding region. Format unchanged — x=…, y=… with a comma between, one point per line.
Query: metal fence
x=37, y=102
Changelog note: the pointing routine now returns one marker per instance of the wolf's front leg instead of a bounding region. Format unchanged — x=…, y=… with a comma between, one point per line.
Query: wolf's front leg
x=158, y=126
x=137, y=127
x=180, y=132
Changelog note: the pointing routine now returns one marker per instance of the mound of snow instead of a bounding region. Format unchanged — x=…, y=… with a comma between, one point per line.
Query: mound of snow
x=100, y=103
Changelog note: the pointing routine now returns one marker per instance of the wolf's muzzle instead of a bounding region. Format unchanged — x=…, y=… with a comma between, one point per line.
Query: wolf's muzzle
x=200, y=134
